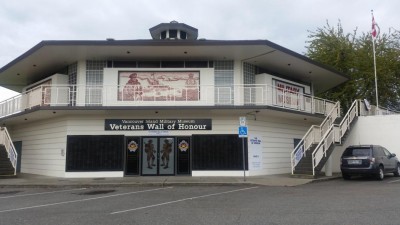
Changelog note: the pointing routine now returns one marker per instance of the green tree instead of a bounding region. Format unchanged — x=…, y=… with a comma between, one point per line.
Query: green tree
x=352, y=54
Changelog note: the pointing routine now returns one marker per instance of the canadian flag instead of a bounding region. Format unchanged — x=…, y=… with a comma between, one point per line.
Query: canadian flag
x=374, y=25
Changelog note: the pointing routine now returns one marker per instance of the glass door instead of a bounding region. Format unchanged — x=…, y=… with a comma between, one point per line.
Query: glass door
x=167, y=156
x=158, y=156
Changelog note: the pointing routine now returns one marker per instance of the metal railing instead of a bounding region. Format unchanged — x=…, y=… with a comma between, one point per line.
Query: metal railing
x=314, y=135
x=331, y=133
x=372, y=110
x=9, y=146
x=334, y=135
x=200, y=95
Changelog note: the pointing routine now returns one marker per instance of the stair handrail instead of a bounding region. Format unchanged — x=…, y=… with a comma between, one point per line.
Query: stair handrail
x=300, y=150
x=324, y=145
x=10, y=148
x=330, y=118
x=326, y=141
x=352, y=113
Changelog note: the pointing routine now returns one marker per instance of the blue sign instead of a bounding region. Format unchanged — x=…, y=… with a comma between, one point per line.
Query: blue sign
x=242, y=132
x=299, y=154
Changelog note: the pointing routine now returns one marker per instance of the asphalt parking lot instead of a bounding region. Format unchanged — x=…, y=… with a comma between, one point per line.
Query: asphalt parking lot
x=329, y=202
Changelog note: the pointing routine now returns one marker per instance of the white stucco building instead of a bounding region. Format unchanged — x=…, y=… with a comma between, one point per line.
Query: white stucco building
x=169, y=105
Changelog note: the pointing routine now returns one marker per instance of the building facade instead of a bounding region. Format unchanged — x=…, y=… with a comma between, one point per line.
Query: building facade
x=165, y=106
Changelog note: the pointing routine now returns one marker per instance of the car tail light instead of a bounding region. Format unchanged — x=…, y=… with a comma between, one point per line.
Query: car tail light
x=372, y=160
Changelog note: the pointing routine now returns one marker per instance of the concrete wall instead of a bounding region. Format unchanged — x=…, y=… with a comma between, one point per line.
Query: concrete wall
x=379, y=130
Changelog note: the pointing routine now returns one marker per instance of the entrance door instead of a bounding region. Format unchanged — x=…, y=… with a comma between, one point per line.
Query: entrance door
x=158, y=156
x=18, y=148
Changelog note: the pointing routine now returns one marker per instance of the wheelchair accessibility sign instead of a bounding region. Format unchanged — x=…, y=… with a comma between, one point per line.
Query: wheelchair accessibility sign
x=242, y=132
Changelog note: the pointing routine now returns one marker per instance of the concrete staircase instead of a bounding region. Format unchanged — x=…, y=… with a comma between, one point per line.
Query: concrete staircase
x=6, y=167
x=304, y=167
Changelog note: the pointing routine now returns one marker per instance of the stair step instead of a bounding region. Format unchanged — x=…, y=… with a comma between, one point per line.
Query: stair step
x=305, y=176
x=6, y=173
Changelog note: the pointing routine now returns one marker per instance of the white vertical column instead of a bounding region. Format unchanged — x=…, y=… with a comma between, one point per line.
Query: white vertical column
x=238, y=80
x=328, y=167
x=81, y=83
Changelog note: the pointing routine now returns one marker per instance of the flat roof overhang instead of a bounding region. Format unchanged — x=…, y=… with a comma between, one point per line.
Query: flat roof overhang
x=49, y=57
x=50, y=112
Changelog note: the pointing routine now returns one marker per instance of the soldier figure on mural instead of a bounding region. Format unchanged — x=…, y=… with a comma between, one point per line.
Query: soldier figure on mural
x=166, y=150
x=149, y=149
x=191, y=91
x=133, y=89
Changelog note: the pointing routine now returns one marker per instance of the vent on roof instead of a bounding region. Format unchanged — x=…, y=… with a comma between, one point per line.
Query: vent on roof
x=173, y=31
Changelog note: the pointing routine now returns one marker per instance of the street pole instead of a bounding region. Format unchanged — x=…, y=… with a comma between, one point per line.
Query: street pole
x=244, y=161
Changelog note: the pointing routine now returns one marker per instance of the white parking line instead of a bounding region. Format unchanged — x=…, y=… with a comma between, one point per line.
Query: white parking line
x=41, y=193
x=81, y=200
x=181, y=200
x=393, y=181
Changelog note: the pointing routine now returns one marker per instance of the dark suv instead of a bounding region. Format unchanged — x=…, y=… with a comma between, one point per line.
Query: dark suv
x=368, y=160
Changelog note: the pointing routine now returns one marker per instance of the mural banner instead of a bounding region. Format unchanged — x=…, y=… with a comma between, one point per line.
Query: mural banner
x=159, y=86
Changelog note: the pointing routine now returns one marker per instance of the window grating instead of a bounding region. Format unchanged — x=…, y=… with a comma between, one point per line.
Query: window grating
x=223, y=80
x=72, y=80
x=95, y=65
x=223, y=65
x=249, y=79
x=94, y=81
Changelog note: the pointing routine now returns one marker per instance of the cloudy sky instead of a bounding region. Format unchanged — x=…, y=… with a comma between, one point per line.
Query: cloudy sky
x=24, y=23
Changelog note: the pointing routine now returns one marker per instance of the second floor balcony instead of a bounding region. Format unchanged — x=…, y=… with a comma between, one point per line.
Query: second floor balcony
x=253, y=95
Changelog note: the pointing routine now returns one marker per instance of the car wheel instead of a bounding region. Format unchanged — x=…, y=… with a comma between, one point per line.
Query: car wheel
x=397, y=171
x=346, y=176
x=381, y=174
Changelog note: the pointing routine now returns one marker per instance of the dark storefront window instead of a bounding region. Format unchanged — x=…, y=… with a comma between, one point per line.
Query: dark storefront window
x=95, y=153
x=218, y=152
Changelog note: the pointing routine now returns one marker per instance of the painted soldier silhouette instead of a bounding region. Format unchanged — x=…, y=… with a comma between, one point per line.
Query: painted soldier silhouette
x=166, y=150
x=133, y=89
x=149, y=149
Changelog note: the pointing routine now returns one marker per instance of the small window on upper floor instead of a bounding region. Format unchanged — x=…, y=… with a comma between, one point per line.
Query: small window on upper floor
x=163, y=35
x=183, y=35
x=196, y=64
x=148, y=64
x=124, y=64
x=173, y=33
x=172, y=64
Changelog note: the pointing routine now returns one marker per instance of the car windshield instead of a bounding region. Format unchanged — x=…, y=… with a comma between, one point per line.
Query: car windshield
x=357, y=152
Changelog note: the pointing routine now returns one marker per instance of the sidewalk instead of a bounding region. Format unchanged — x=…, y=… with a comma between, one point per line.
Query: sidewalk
x=30, y=180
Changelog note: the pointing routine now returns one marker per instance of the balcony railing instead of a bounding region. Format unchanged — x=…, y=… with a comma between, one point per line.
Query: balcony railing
x=199, y=95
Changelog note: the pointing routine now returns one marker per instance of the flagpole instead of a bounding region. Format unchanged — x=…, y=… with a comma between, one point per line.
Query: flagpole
x=373, y=47
x=376, y=79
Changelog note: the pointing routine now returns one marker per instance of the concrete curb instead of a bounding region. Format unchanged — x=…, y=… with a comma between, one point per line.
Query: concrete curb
x=31, y=181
